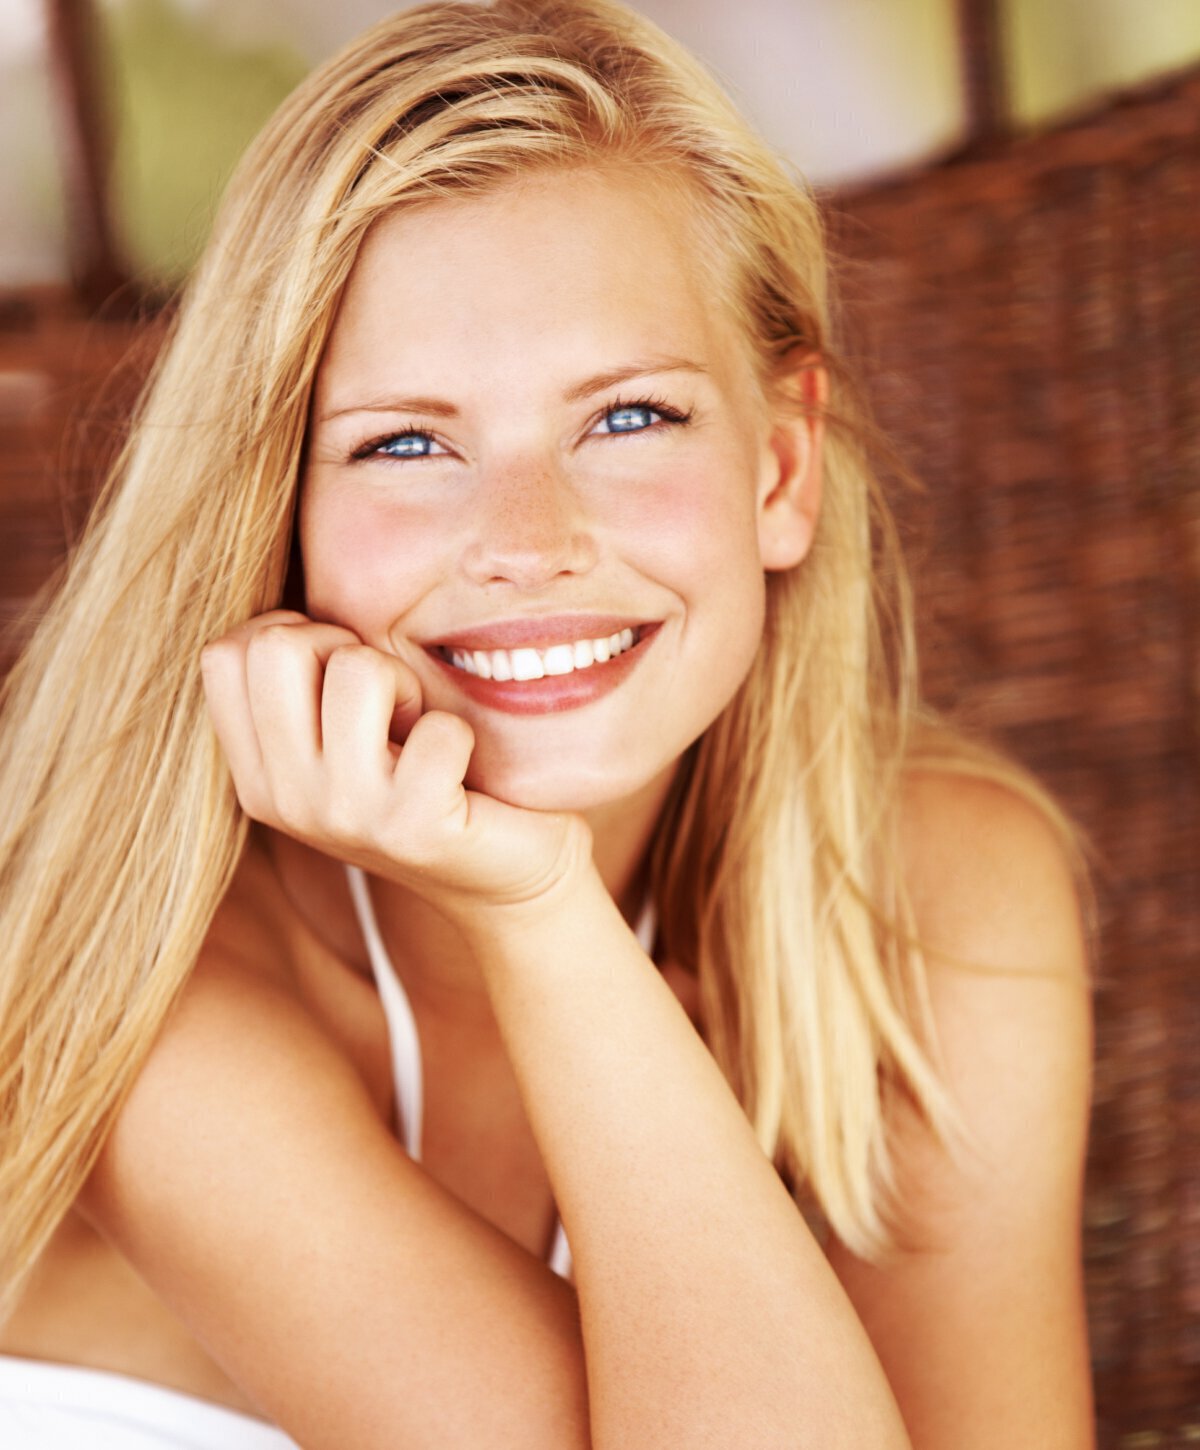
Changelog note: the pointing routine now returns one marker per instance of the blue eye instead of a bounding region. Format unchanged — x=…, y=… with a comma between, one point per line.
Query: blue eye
x=628, y=420
x=637, y=417
x=412, y=443
x=407, y=443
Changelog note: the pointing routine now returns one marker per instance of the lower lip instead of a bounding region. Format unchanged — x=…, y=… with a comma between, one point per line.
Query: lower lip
x=552, y=693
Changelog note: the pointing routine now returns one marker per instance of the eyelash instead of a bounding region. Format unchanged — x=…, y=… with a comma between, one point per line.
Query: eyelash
x=651, y=405
x=666, y=412
x=371, y=447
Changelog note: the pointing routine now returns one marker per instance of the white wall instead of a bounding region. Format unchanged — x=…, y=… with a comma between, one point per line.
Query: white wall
x=31, y=221
x=847, y=88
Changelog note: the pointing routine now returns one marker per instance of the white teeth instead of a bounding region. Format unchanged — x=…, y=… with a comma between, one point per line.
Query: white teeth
x=535, y=664
x=527, y=664
x=559, y=659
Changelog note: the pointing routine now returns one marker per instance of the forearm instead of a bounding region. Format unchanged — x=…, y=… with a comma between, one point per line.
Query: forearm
x=709, y=1312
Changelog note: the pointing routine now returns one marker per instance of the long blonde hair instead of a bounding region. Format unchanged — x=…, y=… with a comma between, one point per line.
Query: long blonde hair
x=121, y=830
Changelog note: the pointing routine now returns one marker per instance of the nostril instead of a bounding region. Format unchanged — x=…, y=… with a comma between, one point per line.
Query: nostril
x=528, y=543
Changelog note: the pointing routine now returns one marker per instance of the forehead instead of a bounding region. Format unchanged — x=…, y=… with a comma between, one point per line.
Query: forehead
x=554, y=263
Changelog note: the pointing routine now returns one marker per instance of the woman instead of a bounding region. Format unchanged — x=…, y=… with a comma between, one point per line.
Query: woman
x=601, y=853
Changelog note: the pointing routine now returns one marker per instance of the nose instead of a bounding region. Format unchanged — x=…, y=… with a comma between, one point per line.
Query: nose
x=529, y=527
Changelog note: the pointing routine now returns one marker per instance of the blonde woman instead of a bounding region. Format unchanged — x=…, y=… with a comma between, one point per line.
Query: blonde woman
x=473, y=866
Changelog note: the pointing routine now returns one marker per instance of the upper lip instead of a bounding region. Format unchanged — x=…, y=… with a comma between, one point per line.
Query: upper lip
x=537, y=632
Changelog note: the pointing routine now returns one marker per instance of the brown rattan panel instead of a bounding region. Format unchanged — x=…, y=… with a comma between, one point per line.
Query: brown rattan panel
x=1030, y=324
x=66, y=382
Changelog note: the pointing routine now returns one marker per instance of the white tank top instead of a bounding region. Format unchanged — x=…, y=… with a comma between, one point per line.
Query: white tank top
x=64, y=1407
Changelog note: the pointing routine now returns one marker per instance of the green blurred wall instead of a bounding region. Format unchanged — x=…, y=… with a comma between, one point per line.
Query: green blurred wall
x=1063, y=54
x=187, y=103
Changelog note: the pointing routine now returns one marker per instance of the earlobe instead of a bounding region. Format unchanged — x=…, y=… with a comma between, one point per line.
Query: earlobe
x=791, y=499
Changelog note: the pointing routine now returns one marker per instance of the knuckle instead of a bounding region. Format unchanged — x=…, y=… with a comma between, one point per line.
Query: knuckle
x=451, y=731
x=277, y=634
x=216, y=656
x=353, y=659
x=271, y=640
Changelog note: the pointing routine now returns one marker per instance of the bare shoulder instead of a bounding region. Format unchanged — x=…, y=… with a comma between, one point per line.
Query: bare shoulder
x=997, y=915
x=264, y=982
x=239, y=1038
x=250, y=1145
x=990, y=876
x=253, y=1183
x=978, y=1314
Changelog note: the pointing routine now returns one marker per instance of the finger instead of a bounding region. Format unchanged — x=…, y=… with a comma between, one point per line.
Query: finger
x=284, y=664
x=223, y=672
x=222, y=669
x=363, y=692
x=429, y=774
x=251, y=626
x=408, y=703
x=324, y=637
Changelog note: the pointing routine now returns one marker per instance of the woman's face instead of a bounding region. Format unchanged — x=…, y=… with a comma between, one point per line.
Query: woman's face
x=537, y=448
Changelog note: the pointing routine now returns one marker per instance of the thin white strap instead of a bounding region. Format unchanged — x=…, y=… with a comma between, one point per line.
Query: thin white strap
x=406, y=1045
x=407, y=1070
x=646, y=927
x=560, y=1254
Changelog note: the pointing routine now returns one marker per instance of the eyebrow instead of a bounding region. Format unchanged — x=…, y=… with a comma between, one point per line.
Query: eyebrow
x=597, y=383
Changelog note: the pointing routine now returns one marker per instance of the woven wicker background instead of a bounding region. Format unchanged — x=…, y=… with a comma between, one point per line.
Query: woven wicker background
x=1030, y=326
x=66, y=384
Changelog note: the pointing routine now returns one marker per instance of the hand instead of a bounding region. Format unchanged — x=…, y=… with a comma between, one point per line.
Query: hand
x=327, y=742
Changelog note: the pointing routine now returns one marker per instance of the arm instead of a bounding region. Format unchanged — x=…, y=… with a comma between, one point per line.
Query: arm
x=251, y=1181
x=708, y=1311
x=979, y=1317
x=710, y=1315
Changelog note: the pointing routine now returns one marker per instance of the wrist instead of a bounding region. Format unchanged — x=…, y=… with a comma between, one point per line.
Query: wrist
x=574, y=902
x=549, y=887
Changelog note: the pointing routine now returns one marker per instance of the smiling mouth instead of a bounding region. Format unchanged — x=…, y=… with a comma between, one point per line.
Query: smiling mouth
x=525, y=664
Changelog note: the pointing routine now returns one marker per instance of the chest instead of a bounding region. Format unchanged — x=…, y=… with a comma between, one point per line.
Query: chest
x=451, y=1079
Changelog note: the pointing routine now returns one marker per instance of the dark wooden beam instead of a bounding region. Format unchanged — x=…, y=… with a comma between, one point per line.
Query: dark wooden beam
x=85, y=142
x=981, y=41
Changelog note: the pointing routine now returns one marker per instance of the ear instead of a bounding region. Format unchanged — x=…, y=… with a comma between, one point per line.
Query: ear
x=790, y=488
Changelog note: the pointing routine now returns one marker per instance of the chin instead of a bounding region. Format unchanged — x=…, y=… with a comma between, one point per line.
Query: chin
x=562, y=785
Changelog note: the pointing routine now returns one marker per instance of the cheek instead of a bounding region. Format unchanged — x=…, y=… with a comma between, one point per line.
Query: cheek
x=365, y=559
x=699, y=522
